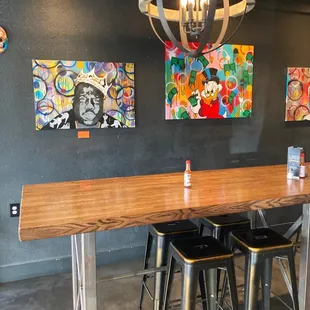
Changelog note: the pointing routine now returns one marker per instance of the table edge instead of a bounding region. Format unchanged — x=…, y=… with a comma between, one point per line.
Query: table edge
x=53, y=231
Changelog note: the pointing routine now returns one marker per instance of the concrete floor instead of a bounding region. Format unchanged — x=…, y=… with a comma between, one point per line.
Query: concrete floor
x=54, y=292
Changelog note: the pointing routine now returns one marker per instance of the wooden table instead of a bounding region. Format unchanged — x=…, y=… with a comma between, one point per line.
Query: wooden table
x=84, y=207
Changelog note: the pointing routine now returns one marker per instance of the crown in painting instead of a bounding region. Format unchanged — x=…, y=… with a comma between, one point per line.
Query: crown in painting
x=92, y=79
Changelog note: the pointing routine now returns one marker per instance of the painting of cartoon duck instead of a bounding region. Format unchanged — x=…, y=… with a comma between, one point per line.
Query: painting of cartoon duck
x=208, y=103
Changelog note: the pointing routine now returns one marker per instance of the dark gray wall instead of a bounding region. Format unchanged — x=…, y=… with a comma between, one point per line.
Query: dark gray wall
x=114, y=30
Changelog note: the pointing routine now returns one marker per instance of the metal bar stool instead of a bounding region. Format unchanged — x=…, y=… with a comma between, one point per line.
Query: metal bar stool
x=220, y=228
x=163, y=234
x=293, y=231
x=196, y=255
x=260, y=247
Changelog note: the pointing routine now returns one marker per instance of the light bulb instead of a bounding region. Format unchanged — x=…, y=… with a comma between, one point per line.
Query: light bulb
x=192, y=2
x=183, y=3
x=203, y=2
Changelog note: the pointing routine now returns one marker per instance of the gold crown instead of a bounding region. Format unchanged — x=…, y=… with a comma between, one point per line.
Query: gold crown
x=92, y=79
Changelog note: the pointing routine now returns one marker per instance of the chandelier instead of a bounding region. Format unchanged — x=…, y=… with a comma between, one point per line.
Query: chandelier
x=196, y=19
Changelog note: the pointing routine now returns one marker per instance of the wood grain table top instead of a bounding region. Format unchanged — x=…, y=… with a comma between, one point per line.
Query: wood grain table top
x=68, y=208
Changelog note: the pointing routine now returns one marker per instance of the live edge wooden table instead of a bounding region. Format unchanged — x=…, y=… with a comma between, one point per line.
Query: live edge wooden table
x=81, y=208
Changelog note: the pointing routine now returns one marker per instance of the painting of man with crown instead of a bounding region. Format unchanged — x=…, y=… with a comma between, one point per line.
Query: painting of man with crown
x=77, y=94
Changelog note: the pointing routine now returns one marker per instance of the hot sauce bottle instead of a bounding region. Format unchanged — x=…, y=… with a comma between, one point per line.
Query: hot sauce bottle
x=188, y=175
x=303, y=167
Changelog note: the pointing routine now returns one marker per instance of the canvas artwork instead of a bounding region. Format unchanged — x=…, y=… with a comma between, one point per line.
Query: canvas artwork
x=298, y=94
x=216, y=85
x=83, y=94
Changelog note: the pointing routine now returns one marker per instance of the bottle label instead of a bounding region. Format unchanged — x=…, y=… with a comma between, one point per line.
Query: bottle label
x=187, y=179
x=303, y=171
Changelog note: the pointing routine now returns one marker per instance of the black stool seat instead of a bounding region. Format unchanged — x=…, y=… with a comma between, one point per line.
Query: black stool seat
x=227, y=220
x=200, y=249
x=263, y=239
x=174, y=228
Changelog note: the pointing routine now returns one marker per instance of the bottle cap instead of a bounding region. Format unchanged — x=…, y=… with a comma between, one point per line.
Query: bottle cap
x=188, y=161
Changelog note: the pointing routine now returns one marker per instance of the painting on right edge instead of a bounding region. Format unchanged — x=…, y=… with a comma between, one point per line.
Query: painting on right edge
x=297, y=95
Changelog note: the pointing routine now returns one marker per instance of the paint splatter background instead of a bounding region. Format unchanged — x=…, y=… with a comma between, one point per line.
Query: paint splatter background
x=54, y=87
x=298, y=94
x=184, y=75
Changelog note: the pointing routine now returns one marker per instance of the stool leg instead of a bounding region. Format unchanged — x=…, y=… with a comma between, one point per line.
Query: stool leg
x=161, y=260
x=266, y=282
x=169, y=280
x=224, y=290
x=229, y=244
x=213, y=276
x=189, y=288
x=201, y=229
x=220, y=235
x=203, y=290
x=251, y=282
x=232, y=284
x=293, y=279
x=212, y=288
x=148, y=248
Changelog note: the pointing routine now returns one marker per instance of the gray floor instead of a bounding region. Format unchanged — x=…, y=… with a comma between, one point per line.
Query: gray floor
x=54, y=292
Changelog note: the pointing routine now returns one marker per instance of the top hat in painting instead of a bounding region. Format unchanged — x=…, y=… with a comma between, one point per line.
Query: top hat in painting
x=211, y=75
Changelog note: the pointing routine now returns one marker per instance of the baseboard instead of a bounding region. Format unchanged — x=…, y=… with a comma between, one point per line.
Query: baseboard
x=29, y=270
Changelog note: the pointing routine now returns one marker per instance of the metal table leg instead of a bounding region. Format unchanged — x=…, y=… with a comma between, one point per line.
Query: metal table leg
x=84, y=281
x=252, y=217
x=304, y=274
x=75, y=274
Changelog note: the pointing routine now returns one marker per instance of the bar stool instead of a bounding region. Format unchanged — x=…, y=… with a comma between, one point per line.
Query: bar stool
x=196, y=255
x=220, y=228
x=260, y=247
x=163, y=234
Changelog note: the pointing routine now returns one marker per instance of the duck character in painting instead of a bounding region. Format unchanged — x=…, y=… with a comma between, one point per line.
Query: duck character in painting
x=208, y=100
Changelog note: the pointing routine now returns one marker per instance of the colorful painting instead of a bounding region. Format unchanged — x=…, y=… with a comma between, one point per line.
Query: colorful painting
x=83, y=94
x=216, y=85
x=298, y=94
x=4, y=41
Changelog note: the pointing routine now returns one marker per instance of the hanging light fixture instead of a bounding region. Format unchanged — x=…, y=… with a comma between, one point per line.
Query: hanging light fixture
x=196, y=19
